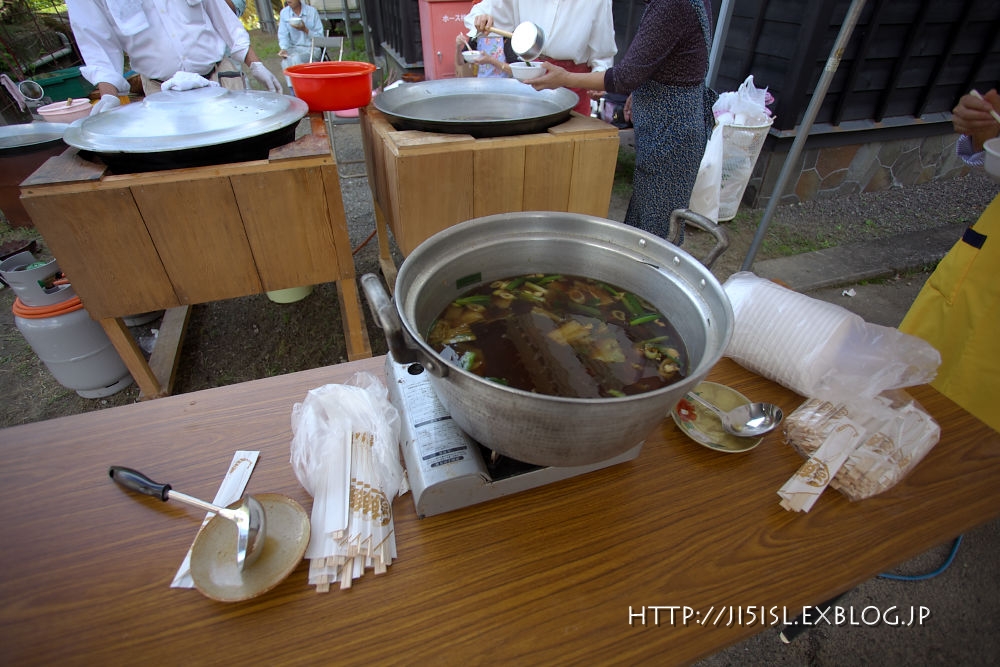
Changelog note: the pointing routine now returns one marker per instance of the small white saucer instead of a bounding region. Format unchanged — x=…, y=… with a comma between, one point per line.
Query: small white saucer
x=704, y=427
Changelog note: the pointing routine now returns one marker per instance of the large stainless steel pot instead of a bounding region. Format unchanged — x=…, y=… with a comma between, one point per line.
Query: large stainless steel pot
x=541, y=429
x=480, y=107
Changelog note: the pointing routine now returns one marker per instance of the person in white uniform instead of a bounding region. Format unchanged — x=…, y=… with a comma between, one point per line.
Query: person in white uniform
x=298, y=23
x=579, y=34
x=165, y=40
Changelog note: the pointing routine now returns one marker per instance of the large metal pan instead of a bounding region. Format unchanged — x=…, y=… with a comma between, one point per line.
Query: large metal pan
x=537, y=428
x=192, y=128
x=481, y=107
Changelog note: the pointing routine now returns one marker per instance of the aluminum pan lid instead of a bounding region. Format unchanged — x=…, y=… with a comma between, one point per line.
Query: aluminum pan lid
x=30, y=134
x=177, y=120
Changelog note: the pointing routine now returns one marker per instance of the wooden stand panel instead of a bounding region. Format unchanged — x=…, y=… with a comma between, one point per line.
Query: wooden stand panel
x=132, y=243
x=570, y=167
x=588, y=192
x=497, y=181
x=279, y=213
x=103, y=246
x=429, y=204
x=547, y=181
x=204, y=248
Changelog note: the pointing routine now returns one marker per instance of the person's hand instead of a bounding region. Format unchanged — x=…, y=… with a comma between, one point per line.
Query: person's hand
x=627, y=109
x=972, y=117
x=186, y=81
x=483, y=23
x=554, y=77
x=264, y=75
x=283, y=53
x=106, y=103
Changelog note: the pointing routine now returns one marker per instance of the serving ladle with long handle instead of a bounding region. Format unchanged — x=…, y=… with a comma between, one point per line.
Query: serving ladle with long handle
x=746, y=421
x=248, y=517
x=527, y=40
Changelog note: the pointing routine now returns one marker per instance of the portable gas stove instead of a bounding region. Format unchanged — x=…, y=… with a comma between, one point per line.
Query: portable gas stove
x=446, y=468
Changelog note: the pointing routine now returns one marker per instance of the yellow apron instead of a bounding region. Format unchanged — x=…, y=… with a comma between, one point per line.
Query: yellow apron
x=958, y=312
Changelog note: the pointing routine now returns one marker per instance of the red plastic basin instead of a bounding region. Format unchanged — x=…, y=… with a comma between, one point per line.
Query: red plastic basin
x=332, y=86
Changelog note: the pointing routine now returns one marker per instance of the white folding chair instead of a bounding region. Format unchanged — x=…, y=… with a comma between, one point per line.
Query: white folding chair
x=326, y=45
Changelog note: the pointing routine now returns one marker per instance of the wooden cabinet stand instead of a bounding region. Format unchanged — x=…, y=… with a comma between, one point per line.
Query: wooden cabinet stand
x=424, y=182
x=134, y=243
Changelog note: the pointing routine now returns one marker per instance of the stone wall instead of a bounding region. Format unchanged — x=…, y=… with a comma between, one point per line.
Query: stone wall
x=826, y=170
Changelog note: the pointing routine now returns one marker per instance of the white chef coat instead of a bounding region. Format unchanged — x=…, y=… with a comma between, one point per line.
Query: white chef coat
x=161, y=37
x=582, y=31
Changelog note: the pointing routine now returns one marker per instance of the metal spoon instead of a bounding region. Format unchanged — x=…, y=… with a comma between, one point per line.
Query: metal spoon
x=248, y=517
x=746, y=421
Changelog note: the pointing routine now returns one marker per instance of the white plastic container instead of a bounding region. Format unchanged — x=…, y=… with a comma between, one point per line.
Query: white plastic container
x=741, y=145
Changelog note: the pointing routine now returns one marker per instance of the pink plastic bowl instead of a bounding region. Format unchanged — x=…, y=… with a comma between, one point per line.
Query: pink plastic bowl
x=332, y=86
x=66, y=111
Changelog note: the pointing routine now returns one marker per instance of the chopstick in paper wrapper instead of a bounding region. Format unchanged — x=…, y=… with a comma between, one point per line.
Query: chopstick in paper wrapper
x=860, y=448
x=345, y=453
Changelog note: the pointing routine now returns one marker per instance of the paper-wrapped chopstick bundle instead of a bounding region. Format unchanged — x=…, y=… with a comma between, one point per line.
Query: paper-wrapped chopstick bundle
x=860, y=448
x=345, y=453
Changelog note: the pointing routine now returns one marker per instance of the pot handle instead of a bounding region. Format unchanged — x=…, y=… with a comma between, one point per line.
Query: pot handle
x=387, y=319
x=704, y=224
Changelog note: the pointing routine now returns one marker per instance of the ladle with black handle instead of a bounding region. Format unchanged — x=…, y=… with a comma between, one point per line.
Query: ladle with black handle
x=248, y=517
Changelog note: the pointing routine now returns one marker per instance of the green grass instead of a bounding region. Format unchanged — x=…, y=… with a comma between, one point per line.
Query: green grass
x=784, y=241
x=264, y=45
x=624, y=170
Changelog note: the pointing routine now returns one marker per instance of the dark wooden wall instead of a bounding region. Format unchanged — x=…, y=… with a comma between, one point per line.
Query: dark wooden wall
x=907, y=60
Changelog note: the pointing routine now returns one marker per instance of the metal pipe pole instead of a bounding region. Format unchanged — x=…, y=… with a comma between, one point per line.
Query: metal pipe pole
x=718, y=42
x=802, y=134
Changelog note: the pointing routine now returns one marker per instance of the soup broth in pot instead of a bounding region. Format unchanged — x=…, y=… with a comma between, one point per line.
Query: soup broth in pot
x=560, y=335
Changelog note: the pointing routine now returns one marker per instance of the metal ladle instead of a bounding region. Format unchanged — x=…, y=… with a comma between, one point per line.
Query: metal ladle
x=248, y=517
x=527, y=40
x=746, y=421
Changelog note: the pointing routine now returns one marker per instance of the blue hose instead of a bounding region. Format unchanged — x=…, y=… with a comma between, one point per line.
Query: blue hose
x=929, y=575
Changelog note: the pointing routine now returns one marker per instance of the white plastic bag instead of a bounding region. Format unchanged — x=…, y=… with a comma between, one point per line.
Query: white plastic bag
x=705, y=196
x=745, y=106
x=345, y=453
x=861, y=448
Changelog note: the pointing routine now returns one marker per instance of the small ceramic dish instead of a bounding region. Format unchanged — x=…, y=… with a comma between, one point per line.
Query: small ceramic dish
x=213, y=554
x=66, y=111
x=524, y=72
x=704, y=427
x=472, y=56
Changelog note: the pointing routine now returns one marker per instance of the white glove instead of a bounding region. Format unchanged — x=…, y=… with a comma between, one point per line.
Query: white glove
x=186, y=81
x=264, y=75
x=106, y=103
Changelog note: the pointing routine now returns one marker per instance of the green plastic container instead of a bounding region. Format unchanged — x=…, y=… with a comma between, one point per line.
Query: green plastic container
x=64, y=84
